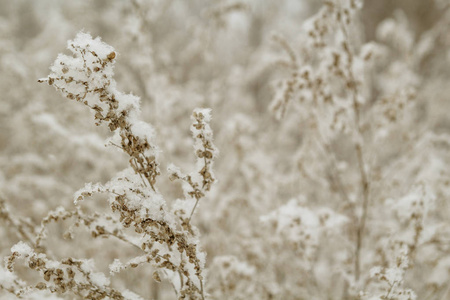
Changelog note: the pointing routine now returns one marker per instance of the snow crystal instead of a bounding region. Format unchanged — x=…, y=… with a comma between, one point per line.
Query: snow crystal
x=22, y=249
x=184, y=205
x=85, y=41
x=97, y=278
x=127, y=102
x=206, y=112
x=115, y=266
x=143, y=131
x=88, y=190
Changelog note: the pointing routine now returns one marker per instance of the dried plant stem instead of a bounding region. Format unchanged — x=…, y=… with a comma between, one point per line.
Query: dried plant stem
x=388, y=295
x=330, y=154
x=193, y=209
x=365, y=204
x=335, y=176
x=20, y=225
x=202, y=291
x=365, y=184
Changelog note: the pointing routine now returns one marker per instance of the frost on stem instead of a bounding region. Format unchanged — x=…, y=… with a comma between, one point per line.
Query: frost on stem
x=60, y=276
x=326, y=83
x=303, y=228
x=196, y=184
x=87, y=77
x=391, y=278
x=166, y=240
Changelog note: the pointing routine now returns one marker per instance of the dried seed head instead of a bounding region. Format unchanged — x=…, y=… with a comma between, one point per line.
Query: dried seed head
x=112, y=55
x=156, y=276
x=41, y=286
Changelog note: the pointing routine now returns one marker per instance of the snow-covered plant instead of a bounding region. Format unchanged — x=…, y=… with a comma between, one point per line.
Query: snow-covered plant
x=392, y=277
x=332, y=122
x=166, y=238
x=345, y=109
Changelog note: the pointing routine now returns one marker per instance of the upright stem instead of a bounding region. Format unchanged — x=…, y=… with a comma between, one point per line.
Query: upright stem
x=365, y=184
x=193, y=209
x=365, y=204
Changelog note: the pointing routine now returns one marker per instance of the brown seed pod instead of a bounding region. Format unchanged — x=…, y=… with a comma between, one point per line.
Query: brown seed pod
x=112, y=55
